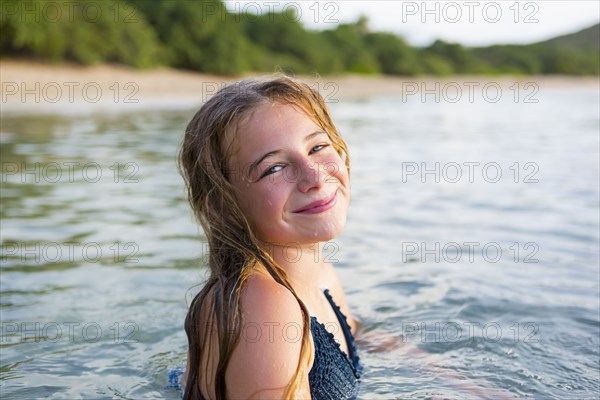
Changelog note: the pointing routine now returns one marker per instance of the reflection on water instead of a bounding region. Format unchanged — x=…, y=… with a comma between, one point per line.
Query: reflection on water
x=470, y=253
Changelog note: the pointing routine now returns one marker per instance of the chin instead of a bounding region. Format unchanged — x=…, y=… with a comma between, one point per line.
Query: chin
x=327, y=231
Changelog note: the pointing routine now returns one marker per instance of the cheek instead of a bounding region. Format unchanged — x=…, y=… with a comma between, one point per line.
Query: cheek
x=268, y=201
x=336, y=168
x=274, y=198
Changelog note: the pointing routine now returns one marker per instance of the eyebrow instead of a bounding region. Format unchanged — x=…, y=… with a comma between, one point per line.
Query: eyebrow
x=257, y=162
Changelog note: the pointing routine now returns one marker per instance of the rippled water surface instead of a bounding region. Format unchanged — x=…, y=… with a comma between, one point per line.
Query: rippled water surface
x=471, y=251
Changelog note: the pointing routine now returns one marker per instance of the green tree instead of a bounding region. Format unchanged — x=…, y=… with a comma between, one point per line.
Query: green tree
x=511, y=59
x=288, y=45
x=394, y=55
x=70, y=31
x=349, y=42
x=198, y=35
x=432, y=64
x=462, y=60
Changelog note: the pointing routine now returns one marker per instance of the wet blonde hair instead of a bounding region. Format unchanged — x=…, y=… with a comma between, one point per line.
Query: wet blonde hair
x=234, y=250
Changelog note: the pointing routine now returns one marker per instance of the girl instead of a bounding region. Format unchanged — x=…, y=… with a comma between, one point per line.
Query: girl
x=267, y=175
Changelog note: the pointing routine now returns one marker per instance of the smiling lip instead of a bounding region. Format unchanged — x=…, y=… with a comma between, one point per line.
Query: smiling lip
x=319, y=206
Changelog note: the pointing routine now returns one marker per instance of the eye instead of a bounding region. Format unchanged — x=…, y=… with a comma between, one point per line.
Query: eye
x=318, y=148
x=272, y=170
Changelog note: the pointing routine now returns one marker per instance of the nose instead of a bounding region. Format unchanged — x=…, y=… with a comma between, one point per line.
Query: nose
x=312, y=175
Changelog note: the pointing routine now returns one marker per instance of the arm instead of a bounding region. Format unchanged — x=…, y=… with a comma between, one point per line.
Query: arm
x=266, y=357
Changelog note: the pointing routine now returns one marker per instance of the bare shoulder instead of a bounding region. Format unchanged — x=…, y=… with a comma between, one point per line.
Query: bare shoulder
x=332, y=282
x=263, y=298
x=266, y=357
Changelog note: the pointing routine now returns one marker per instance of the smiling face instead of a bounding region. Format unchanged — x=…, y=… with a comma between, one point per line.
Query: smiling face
x=290, y=182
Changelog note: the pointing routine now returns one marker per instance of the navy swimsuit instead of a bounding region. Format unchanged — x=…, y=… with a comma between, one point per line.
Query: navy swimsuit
x=334, y=375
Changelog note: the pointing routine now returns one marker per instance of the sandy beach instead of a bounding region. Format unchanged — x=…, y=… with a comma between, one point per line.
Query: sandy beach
x=33, y=87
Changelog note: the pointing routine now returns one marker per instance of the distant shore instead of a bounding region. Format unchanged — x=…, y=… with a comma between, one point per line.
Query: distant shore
x=31, y=87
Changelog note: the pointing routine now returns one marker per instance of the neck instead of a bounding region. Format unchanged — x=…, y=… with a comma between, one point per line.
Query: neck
x=303, y=265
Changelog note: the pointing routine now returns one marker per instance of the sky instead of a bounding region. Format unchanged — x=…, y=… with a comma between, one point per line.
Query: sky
x=471, y=23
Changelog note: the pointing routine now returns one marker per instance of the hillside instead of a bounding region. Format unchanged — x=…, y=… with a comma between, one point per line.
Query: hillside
x=179, y=34
x=585, y=40
x=574, y=54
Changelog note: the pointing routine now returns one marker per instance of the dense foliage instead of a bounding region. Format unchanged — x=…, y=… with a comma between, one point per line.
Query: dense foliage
x=204, y=36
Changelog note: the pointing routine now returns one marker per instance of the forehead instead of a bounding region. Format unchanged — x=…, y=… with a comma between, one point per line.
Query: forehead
x=270, y=126
x=266, y=117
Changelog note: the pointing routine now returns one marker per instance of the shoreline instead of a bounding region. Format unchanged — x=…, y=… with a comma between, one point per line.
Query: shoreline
x=29, y=87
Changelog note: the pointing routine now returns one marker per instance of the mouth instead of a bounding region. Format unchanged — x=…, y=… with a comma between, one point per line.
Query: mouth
x=319, y=206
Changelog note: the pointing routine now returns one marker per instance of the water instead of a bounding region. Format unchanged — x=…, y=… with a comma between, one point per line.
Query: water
x=97, y=262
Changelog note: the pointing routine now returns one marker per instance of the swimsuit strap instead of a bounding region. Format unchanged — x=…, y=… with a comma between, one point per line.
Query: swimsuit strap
x=343, y=320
